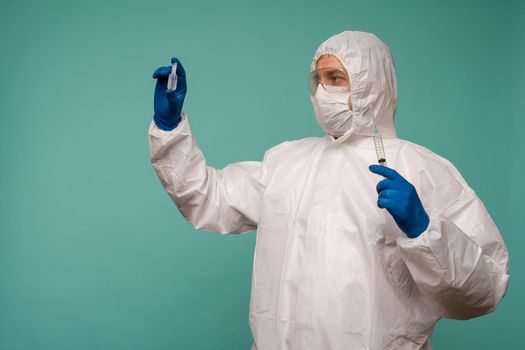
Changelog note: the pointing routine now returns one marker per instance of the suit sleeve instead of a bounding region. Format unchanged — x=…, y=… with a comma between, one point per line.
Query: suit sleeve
x=219, y=200
x=461, y=260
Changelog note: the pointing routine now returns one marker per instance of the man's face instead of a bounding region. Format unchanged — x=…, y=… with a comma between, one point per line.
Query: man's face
x=335, y=76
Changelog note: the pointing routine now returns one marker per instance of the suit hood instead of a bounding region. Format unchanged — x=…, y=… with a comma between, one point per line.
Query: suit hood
x=370, y=68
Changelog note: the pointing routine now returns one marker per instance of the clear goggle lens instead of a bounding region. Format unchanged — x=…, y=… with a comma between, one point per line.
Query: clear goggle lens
x=331, y=79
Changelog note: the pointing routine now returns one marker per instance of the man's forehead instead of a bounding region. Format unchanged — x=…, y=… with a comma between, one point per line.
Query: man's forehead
x=326, y=61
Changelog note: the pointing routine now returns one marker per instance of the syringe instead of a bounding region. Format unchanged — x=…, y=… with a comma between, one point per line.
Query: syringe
x=378, y=143
x=172, y=78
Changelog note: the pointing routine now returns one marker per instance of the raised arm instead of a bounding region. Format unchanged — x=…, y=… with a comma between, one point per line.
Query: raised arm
x=225, y=200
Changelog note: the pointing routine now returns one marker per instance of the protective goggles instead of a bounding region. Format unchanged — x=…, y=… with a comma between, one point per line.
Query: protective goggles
x=331, y=79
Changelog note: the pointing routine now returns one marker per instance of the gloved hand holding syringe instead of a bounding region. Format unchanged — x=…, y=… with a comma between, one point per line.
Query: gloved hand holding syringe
x=398, y=196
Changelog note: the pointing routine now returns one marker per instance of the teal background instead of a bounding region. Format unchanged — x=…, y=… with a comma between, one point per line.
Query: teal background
x=94, y=255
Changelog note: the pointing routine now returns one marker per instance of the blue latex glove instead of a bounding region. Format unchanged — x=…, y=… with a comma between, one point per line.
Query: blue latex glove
x=400, y=198
x=168, y=103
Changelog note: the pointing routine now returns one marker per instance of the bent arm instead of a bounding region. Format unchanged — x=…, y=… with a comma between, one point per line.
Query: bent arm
x=460, y=261
x=223, y=201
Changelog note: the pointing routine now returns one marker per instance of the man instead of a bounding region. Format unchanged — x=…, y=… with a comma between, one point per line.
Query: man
x=332, y=269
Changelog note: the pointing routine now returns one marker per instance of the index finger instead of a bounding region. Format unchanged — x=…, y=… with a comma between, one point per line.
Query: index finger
x=387, y=172
x=162, y=72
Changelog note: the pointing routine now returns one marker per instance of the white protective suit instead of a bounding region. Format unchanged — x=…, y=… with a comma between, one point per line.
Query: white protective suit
x=331, y=270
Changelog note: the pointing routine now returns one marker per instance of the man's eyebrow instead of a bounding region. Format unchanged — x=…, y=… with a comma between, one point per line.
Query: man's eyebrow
x=331, y=70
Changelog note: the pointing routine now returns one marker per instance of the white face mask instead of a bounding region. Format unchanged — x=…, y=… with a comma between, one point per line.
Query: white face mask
x=332, y=110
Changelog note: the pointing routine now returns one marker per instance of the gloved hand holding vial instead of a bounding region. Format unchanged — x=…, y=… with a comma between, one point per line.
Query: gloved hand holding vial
x=170, y=92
